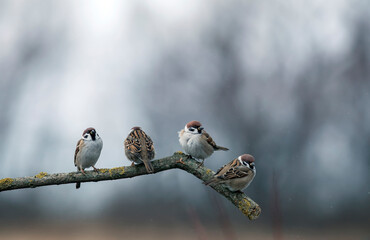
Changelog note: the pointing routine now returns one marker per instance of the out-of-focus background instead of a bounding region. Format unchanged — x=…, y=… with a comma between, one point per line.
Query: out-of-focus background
x=286, y=81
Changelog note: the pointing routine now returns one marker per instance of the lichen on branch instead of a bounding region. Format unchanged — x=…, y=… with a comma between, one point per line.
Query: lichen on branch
x=178, y=160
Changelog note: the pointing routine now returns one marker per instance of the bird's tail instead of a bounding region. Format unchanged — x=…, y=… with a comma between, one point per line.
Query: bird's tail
x=221, y=148
x=78, y=185
x=148, y=166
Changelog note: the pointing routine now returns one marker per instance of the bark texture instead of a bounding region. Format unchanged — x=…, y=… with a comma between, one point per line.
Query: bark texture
x=246, y=205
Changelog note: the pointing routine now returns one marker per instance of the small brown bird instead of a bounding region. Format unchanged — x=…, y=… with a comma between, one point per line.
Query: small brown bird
x=197, y=142
x=236, y=175
x=139, y=148
x=87, y=151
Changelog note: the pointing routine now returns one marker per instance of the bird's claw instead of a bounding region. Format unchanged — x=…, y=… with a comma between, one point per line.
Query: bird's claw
x=201, y=164
x=180, y=161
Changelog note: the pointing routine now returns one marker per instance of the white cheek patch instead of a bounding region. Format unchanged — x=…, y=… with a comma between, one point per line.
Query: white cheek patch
x=87, y=137
x=240, y=160
x=187, y=130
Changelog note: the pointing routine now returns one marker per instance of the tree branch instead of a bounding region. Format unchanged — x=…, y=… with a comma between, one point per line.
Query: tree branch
x=246, y=205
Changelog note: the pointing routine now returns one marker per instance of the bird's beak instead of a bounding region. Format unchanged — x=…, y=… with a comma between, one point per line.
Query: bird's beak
x=93, y=135
x=200, y=128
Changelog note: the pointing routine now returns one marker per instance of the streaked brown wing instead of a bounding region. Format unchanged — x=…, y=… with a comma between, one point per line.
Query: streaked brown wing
x=78, y=146
x=209, y=139
x=226, y=167
x=235, y=173
x=132, y=146
x=138, y=143
x=149, y=146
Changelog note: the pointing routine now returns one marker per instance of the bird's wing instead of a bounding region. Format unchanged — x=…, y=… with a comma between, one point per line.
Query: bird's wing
x=132, y=146
x=79, y=145
x=209, y=139
x=236, y=172
x=149, y=146
x=234, y=163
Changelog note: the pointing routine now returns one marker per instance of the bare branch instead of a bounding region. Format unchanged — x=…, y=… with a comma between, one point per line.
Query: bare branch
x=246, y=205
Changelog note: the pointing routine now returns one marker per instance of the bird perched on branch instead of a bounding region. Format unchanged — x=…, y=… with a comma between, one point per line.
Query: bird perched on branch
x=88, y=150
x=236, y=175
x=197, y=142
x=139, y=148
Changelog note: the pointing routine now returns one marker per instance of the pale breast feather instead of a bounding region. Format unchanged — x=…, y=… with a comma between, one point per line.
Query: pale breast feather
x=181, y=133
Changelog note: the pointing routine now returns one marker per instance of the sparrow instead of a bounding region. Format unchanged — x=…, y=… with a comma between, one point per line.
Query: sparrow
x=139, y=148
x=196, y=142
x=88, y=150
x=236, y=175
